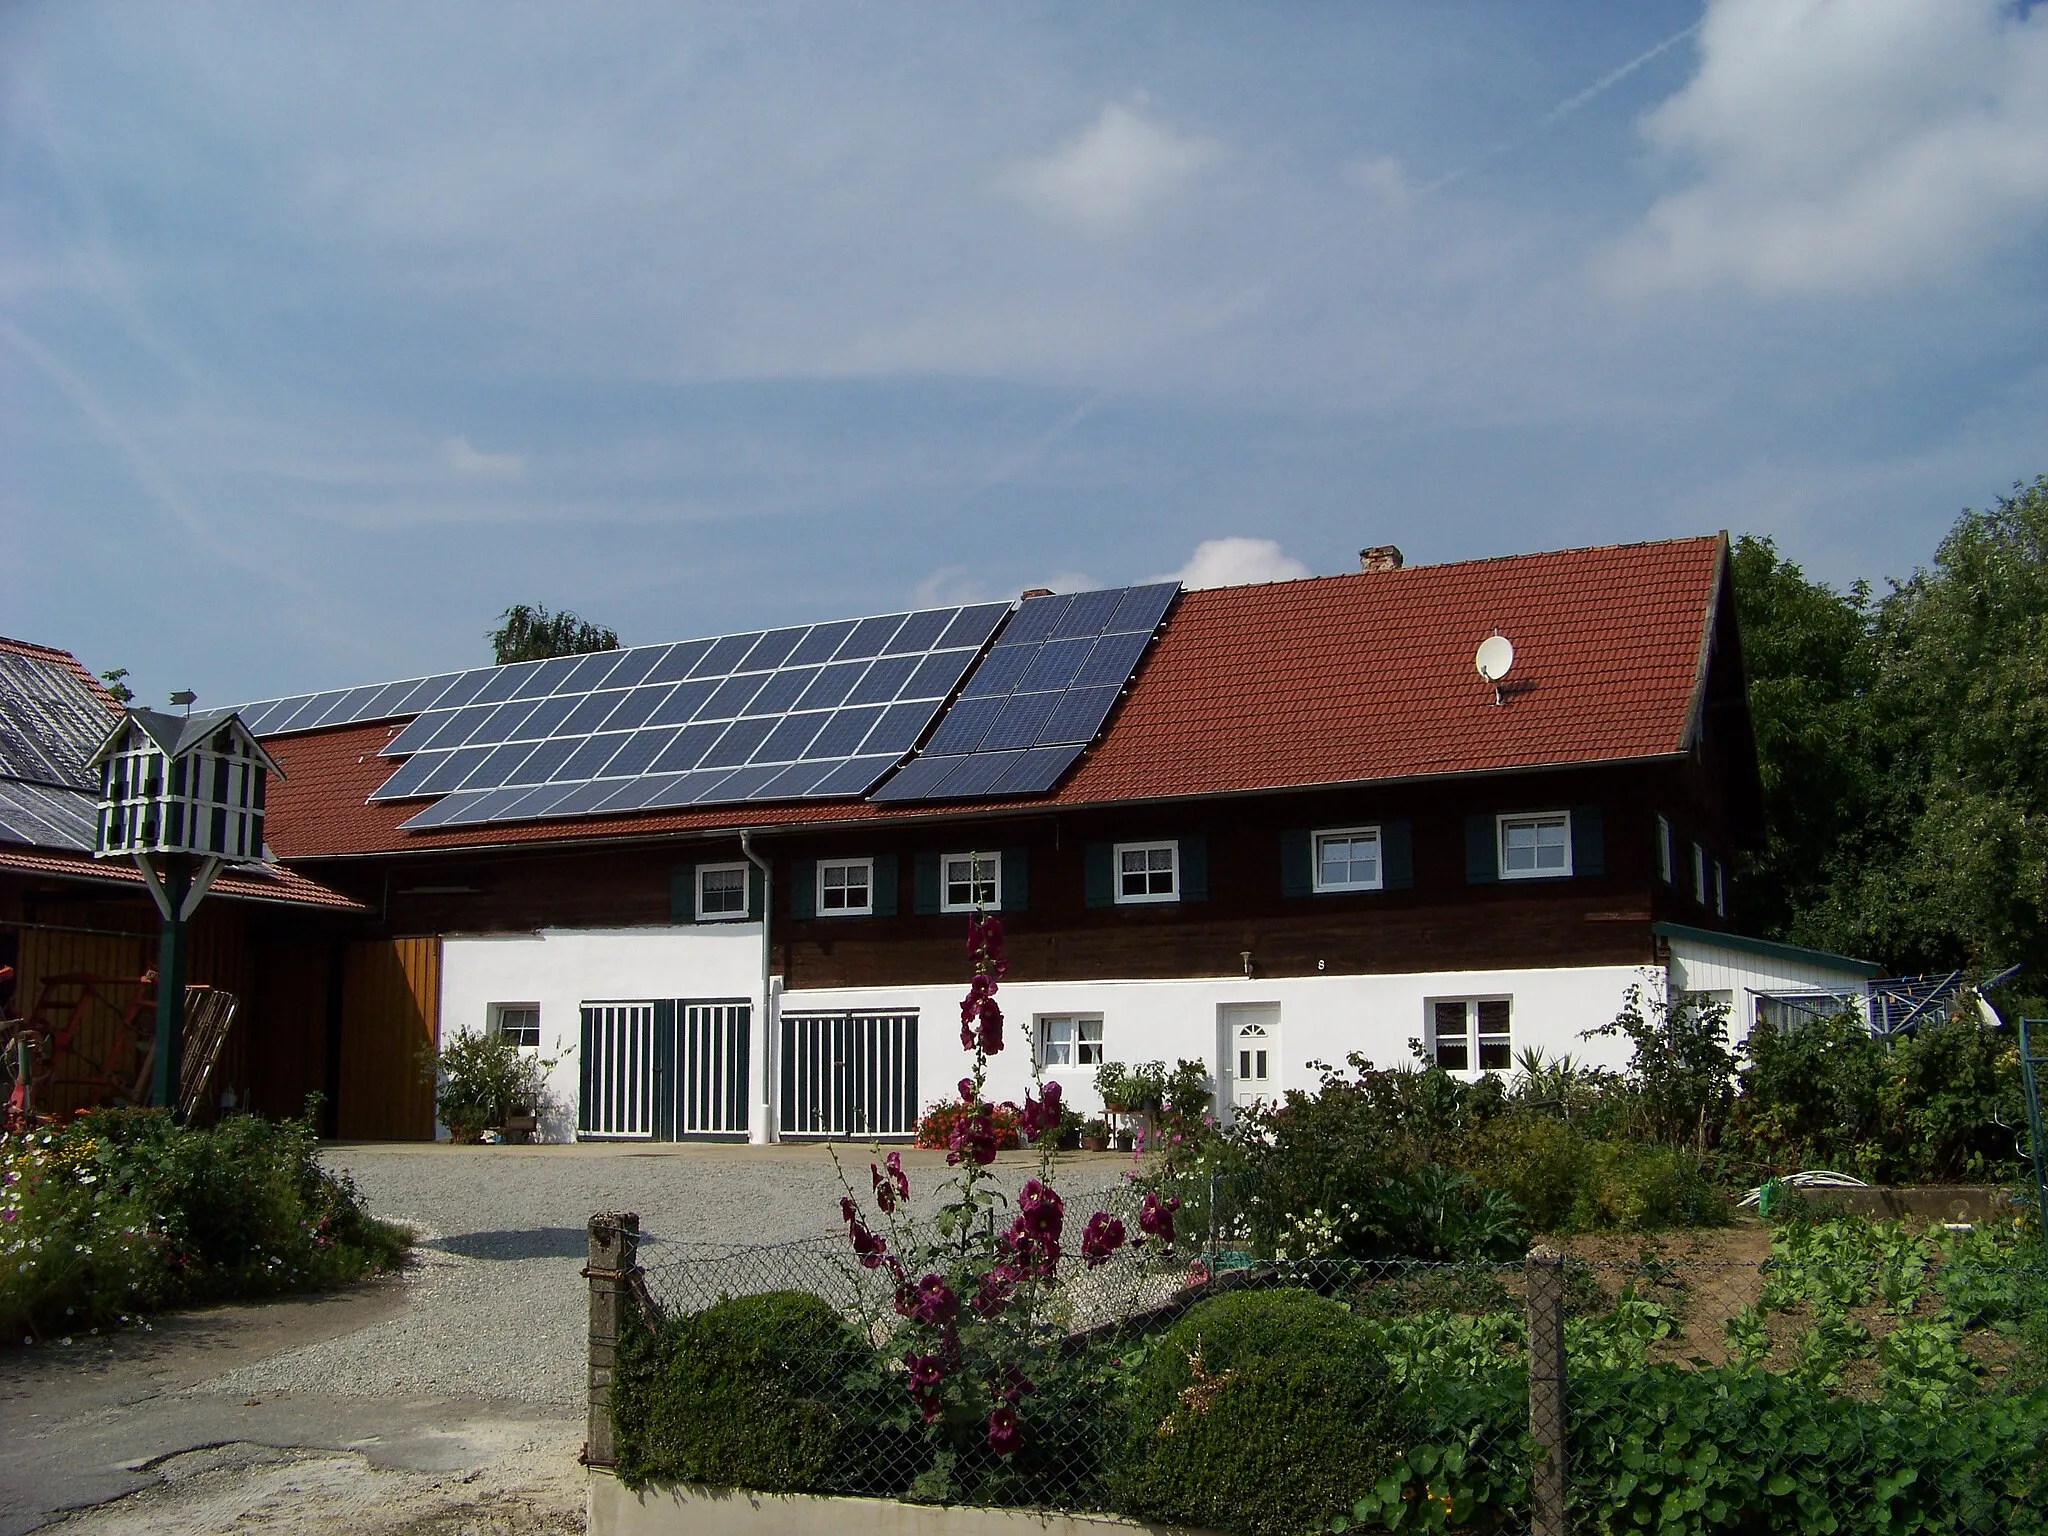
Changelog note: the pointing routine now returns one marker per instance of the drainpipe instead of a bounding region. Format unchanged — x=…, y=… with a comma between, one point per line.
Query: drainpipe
x=760, y=1133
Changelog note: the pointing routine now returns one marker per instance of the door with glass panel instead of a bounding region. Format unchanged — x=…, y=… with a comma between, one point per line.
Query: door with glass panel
x=1251, y=1036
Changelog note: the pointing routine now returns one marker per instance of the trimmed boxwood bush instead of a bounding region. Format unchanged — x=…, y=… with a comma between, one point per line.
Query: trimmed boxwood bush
x=1265, y=1413
x=749, y=1393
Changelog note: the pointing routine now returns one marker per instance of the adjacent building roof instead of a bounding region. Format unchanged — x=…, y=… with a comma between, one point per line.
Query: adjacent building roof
x=1339, y=680
x=54, y=718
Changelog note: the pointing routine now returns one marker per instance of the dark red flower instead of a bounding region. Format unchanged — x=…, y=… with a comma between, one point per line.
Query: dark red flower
x=867, y=1247
x=1103, y=1235
x=1009, y=1385
x=885, y=1191
x=894, y=1163
x=1002, y=1430
x=936, y=1303
x=1041, y=1210
x=1155, y=1216
x=847, y=1211
x=973, y=1140
x=997, y=1286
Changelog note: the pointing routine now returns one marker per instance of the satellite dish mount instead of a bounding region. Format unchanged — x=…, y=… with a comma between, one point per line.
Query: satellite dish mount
x=1495, y=658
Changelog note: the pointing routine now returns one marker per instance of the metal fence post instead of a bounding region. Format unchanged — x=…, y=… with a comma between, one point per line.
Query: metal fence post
x=1549, y=1476
x=614, y=1257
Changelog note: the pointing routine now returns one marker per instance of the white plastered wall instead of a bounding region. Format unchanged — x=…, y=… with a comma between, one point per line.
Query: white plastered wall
x=1322, y=1018
x=1699, y=966
x=561, y=969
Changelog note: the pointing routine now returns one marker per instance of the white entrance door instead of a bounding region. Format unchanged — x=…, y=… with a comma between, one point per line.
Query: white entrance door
x=1251, y=1033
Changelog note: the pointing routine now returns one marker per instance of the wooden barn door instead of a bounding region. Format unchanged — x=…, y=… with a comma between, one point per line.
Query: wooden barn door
x=849, y=1074
x=390, y=1016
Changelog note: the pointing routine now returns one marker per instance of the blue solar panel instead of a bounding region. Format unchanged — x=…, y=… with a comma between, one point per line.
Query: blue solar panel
x=1035, y=702
x=768, y=714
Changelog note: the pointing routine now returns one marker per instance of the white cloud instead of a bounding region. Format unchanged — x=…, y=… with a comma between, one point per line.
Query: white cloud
x=1847, y=146
x=1114, y=171
x=1238, y=562
x=473, y=464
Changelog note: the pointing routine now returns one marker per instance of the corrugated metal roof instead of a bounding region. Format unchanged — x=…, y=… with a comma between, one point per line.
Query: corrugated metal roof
x=51, y=721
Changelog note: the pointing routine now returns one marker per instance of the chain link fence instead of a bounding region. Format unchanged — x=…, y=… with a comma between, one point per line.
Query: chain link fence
x=1858, y=1377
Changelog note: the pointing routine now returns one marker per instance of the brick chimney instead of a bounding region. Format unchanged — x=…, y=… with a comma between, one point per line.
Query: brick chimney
x=1379, y=557
x=1030, y=592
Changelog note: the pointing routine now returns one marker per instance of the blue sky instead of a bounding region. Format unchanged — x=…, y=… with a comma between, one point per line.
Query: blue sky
x=326, y=332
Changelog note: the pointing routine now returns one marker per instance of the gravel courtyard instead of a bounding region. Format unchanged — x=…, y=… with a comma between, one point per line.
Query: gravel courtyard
x=446, y=1400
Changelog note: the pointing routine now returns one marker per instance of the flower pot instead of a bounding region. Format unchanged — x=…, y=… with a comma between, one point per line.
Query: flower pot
x=1094, y=1143
x=519, y=1129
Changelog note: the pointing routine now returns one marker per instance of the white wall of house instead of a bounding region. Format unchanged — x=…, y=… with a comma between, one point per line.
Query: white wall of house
x=1320, y=1018
x=560, y=970
x=1739, y=975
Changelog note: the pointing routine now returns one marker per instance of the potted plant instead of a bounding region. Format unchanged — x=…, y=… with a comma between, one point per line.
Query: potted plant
x=1094, y=1135
x=483, y=1082
x=1113, y=1082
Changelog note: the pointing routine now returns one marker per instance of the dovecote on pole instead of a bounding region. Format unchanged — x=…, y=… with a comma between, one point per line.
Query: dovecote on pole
x=183, y=796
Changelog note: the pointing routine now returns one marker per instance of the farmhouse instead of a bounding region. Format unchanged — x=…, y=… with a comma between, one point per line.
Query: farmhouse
x=724, y=882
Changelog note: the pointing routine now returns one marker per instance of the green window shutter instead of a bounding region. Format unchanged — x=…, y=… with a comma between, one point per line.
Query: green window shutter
x=1016, y=890
x=887, y=867
x=803, y=887
x=753, y=891
x=1589, y=840
x=1297, y=863
x=682, y=893
x=1482, y=850
x=1397, y=855
x=926, y=897
x=1098, y=866
x=1194, y=868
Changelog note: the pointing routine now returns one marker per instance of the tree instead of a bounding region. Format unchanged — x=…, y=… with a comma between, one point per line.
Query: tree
x=1903, y=742
x=533, y=634
x=115, y=679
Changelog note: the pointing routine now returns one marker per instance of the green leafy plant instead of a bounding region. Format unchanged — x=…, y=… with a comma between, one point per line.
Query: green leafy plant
x=481, y=1079
x=123, y=1212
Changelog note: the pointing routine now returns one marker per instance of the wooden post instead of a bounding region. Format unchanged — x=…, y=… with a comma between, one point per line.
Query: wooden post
x=614, y=1256
x=1549, y=1478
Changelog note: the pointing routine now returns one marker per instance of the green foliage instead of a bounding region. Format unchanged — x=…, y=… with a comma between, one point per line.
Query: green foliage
x=1680, y=1080
x=1901, y=740
x=480, y=1079
x=756, y=1392
x=1264, y=1413
x=1937, y=1104
x=122, y=1212
x=533, y=634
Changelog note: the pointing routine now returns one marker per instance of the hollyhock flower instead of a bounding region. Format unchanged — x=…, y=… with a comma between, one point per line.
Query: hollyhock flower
x=1010, y=1385
x=1002, y=1430
x=885, y=1191
x=1041, y=1210
x=1103, y=1235
x=1031, y=1256
x=926, y=1371
x=894, y=1163
x=1155, y=1216
x=997, y=1286
x=936, y=1303
x=991, y=1027
x=847, y=1211
x=973, y=1140
x=867, y=1247
x=966, y=1090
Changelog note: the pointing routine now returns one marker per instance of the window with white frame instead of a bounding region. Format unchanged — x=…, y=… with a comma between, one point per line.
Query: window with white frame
x=1471, y=1031
x=1348, y=859
x=1665, y=860
x=1699, y=874
x=1070, y=1040
x=846, y=887
x=721, y=892
x=1147, y=872
x=518, y=1023
x=970, y=882
x=1536, y=847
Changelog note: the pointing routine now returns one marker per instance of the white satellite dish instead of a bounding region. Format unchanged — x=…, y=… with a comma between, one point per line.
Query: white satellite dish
x=1496, y=655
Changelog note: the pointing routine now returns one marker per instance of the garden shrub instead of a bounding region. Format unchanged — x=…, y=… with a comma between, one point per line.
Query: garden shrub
x=121, y=1212
x=1540, y=1161
x=755, y=1392
x=1635, y=1188
x=1264, y=1413
x=480, y=1080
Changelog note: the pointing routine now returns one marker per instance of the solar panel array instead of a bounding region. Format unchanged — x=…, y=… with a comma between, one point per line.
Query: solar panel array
x=43, y=816
x=51, y=722
x=1039, y=697
x=352, y=706
x=812, y=712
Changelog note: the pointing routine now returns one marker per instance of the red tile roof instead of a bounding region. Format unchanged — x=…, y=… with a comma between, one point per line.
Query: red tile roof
x=63, y=659
x=1330, y=680
x=271, y=883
